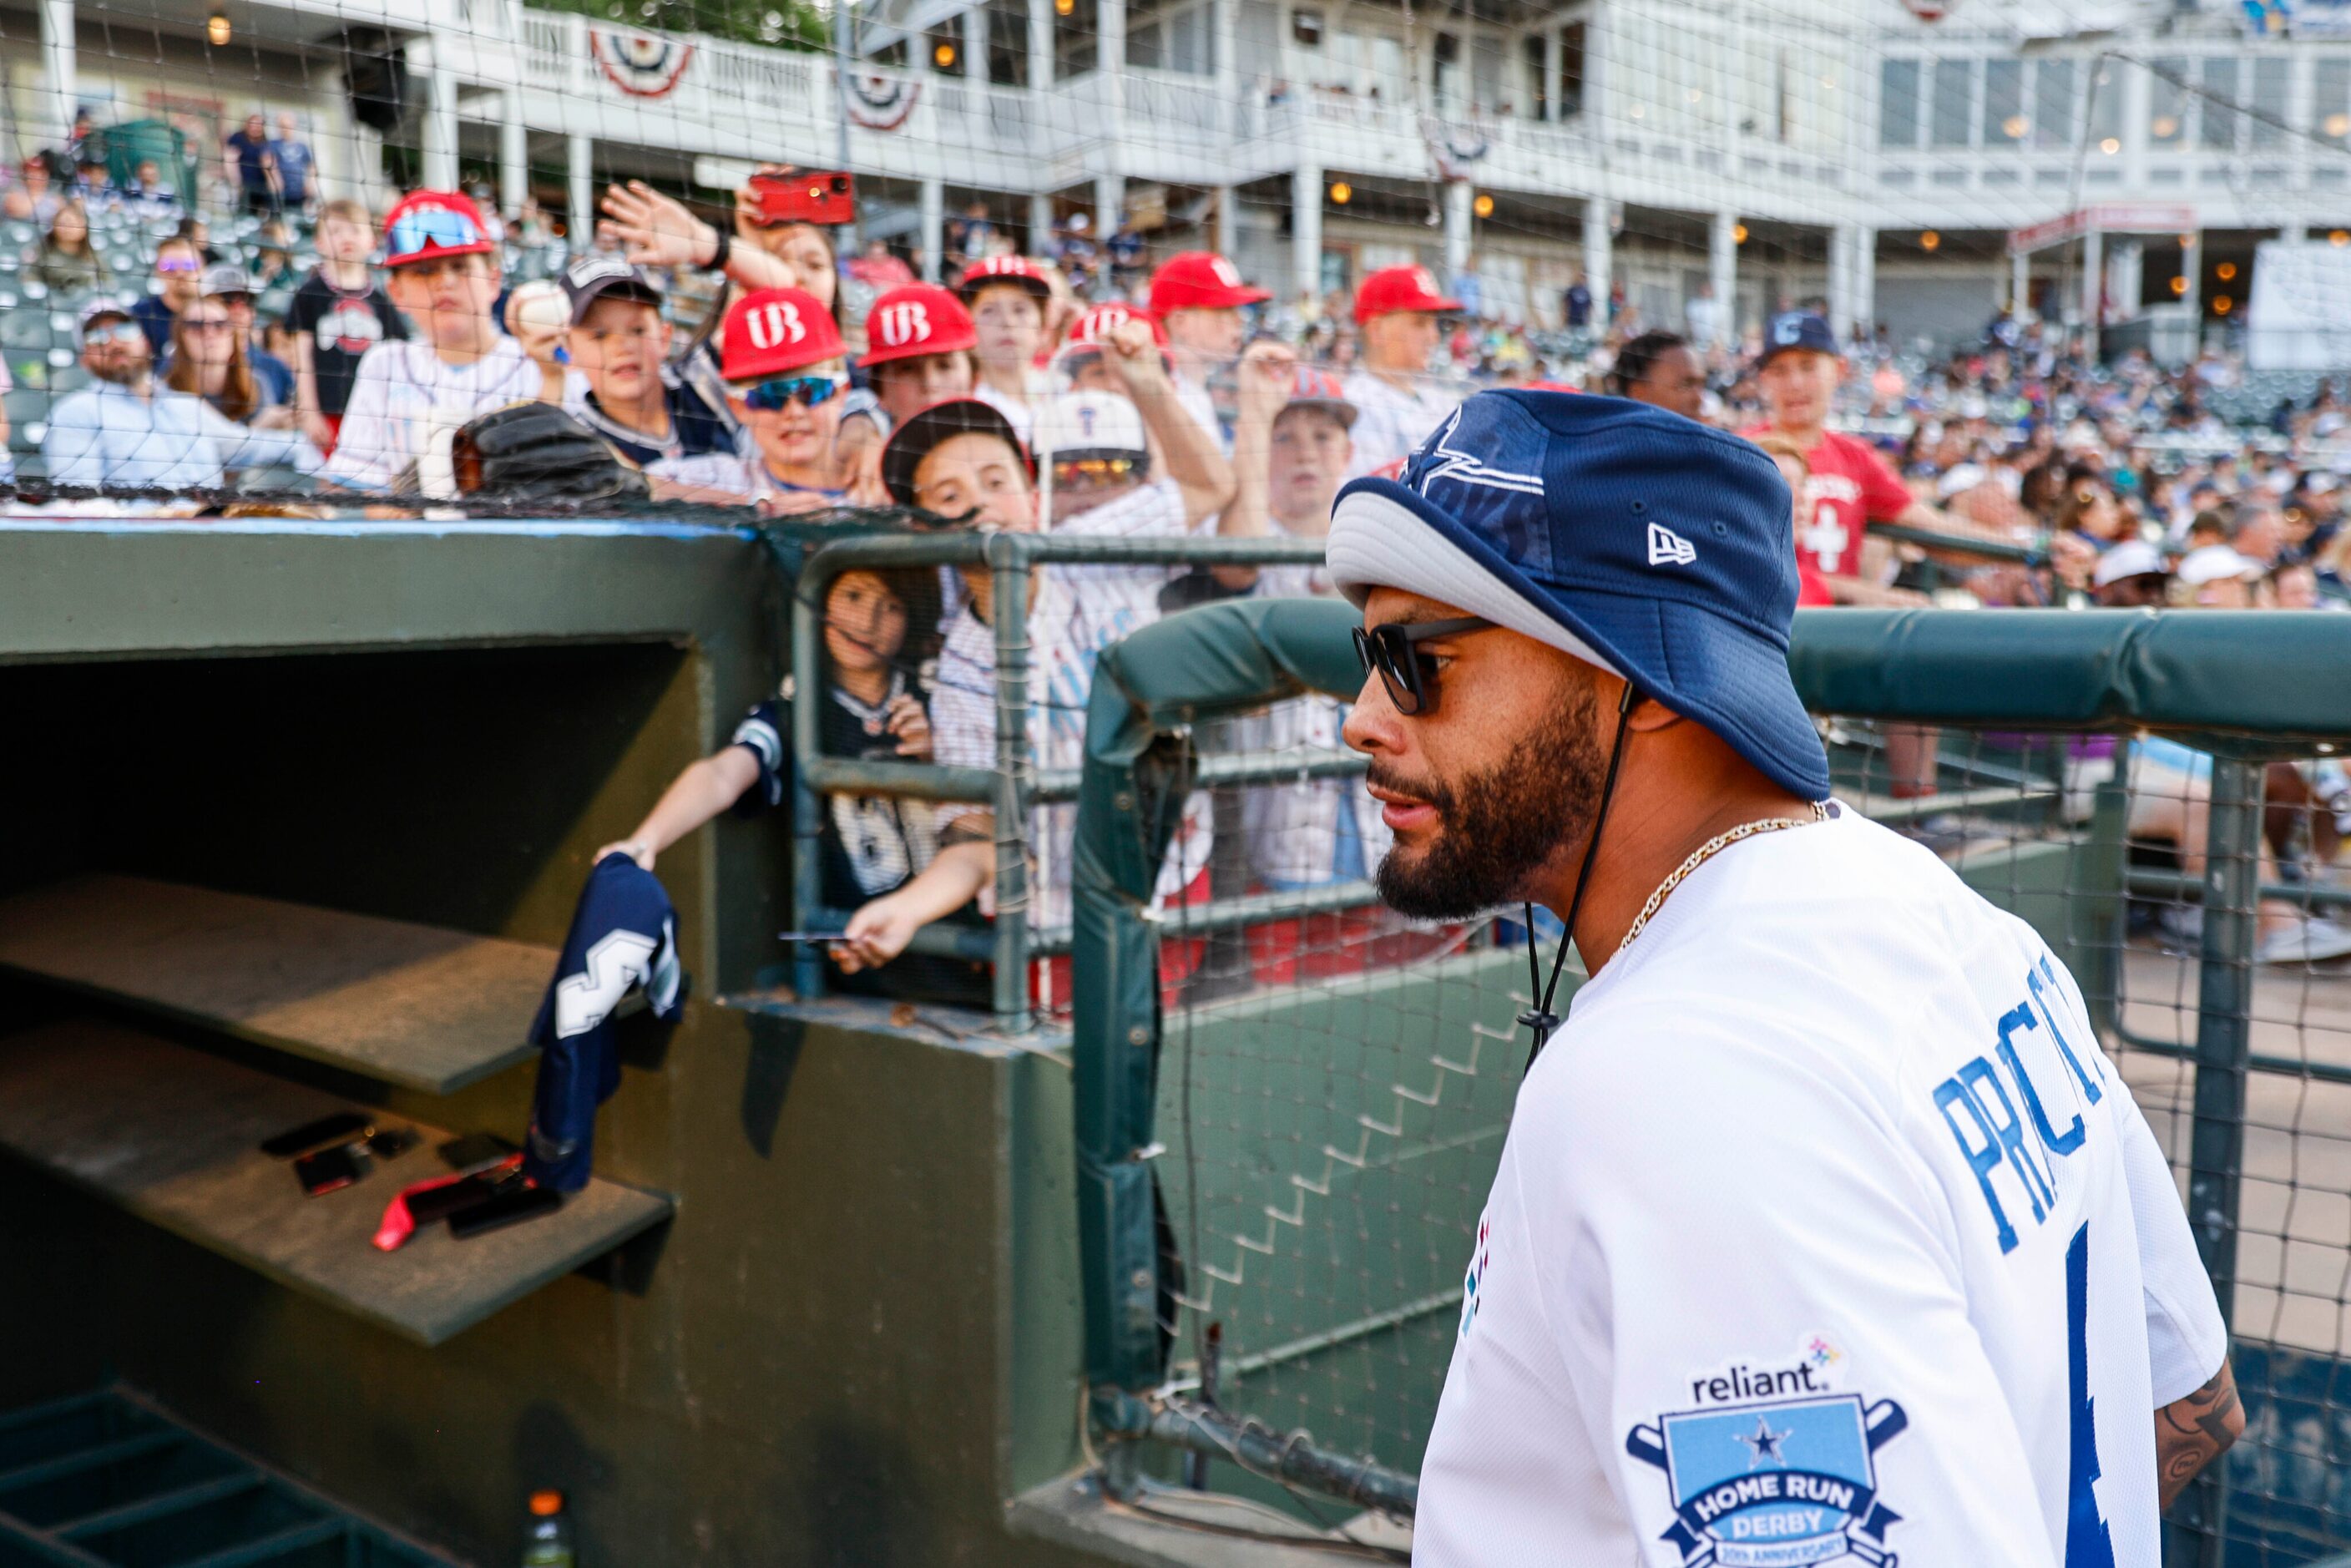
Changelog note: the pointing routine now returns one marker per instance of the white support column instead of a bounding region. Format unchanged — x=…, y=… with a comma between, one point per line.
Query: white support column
x=1722, y=272
x=2294, y=230
x=2094, y=280
x=1225, y=39
x=974, y=46
x=1597, y=255
x=581, y=164
x=932, y=232
x=1842, y=257
x=1041, y=221
x=1306, y=230
x=440, y=129
x=1865, y=280
x=1110, y=42
x=1227, y=230
x=514, y=153
x=1041, y=45
x=2019, y=283
x=1109, y=199
x=1459, y=194
x=60, y=70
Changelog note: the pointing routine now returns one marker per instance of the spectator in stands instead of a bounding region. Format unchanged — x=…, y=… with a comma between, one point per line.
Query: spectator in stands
x=229, y=284
x=67, y=262
x=786, y=369
x=1292, y=450
x=209, y=361
x=126, y=433
x=881, y=629
x=180, y=270
x=921, y=342
x=444, y=276
x=248, y=159
x=1659, y=368
x=274, y=267
x=1789, y=458
x=1398, y=401
x=339, y=313
x=1199, y=297
x=879, y=268
x=962, y=457
x=2130, y=577
x=1577, y=302
x=40, y=189
x=1009, y=297
x=198, y=233
x=621, y=386
x=1704, y=315
x=970, y=237
x=94, y=184
x=293, y=163
x=149, y=195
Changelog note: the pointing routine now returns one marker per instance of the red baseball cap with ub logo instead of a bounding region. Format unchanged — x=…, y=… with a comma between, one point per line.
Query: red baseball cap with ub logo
x=914, y=319
x=772, y=331
x=1394, y=288
x=1094, y=328
x=1200, y=280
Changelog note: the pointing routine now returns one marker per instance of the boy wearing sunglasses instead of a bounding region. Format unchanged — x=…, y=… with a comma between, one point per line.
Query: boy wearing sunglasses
x=786, y=370
x=443, y=272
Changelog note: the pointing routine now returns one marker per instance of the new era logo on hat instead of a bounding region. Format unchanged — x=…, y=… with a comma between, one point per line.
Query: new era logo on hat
x=914, y=319
x=1668, y=548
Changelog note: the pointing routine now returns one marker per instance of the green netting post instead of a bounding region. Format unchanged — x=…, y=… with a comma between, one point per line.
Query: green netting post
x=2224, y=1007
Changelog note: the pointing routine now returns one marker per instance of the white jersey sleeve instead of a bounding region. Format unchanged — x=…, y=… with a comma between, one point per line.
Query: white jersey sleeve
x=2186, y=1340
x=1810, y=1326
x=371, y=448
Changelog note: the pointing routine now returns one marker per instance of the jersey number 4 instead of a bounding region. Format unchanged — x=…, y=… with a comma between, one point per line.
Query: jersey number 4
x=2087, y=1544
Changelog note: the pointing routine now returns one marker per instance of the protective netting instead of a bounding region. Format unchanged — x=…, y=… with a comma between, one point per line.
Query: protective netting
x=1334, y=1092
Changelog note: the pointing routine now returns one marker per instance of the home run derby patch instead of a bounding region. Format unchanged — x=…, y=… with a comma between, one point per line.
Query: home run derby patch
x=1776, y=1484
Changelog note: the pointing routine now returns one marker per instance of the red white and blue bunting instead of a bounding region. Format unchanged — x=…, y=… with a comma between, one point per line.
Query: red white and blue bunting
x=1453, y=149
x=881, y=102
x=642, y=65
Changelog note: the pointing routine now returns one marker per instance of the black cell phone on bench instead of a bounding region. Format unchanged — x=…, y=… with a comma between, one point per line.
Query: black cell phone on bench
x=511, y=1207
x=341, y=1127
x=328, y=1170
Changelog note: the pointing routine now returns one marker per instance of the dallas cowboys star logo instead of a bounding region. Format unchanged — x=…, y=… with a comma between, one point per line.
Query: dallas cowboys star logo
x=1764, y=1444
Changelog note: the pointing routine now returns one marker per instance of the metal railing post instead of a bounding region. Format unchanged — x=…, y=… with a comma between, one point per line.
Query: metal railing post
x=2224, y=1005
x=808, y=804
x=1008, y=564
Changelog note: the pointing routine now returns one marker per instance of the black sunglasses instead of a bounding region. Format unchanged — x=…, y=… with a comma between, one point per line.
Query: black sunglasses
x=1409, y=675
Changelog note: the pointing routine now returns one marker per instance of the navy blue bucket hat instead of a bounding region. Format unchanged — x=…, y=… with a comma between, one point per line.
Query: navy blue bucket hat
x=1654, y=546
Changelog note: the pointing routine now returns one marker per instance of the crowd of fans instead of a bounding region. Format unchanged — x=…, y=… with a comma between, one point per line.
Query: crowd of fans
x=746, y=365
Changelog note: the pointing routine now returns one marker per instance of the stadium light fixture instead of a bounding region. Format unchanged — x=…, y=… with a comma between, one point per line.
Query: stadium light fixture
x=1930, y=240
x=943, y=56
x=216, y=30
x=2111, y=145
x=1483, y=206
x=2165, y=126
x=1063, y=7
x=1738, y=234
x=2180, y=286
x=2225, y=271
x=1341, y=192
x=2339, y=237
x=2338, y=125
x=2014, y=127
x=2222, y=305
x=2188, y=242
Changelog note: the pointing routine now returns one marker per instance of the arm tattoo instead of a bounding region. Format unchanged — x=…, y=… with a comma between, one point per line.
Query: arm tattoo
x=2190, y=1433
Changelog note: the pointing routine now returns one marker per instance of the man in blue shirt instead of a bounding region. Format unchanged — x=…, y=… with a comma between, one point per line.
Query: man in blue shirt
x=293, y=161
x=180, y=268
x=248, y=154
x=124, y=432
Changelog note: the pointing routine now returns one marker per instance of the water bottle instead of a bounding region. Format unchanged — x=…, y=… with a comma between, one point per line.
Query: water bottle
x=547, y=1542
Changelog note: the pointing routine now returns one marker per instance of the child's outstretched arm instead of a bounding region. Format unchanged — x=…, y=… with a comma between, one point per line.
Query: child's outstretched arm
x=879, y=931
x=707, y=788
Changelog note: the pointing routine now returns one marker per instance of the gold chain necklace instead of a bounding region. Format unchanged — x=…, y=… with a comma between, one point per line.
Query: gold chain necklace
x=1707, y=852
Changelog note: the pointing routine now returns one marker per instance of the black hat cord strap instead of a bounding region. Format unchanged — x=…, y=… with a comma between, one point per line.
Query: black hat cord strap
x=1540, y=1019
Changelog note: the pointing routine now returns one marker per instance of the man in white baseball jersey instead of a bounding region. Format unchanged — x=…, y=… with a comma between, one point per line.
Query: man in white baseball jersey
x=1823, y=1231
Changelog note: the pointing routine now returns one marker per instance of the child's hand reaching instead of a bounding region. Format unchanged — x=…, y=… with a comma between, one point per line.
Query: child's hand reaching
x=912, y=725
x=877, y=934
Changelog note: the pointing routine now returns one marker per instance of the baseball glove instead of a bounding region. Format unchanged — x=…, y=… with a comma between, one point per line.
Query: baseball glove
x=530, y=452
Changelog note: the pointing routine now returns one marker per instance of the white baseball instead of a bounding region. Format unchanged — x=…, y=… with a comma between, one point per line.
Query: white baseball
x=541, y=306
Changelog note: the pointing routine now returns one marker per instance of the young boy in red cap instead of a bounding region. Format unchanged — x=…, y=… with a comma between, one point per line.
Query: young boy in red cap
x=1397, y=403
x=919, y=343
x=443, y=272
x=1011, y=299
x=786, y=371
x=1198, y=296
